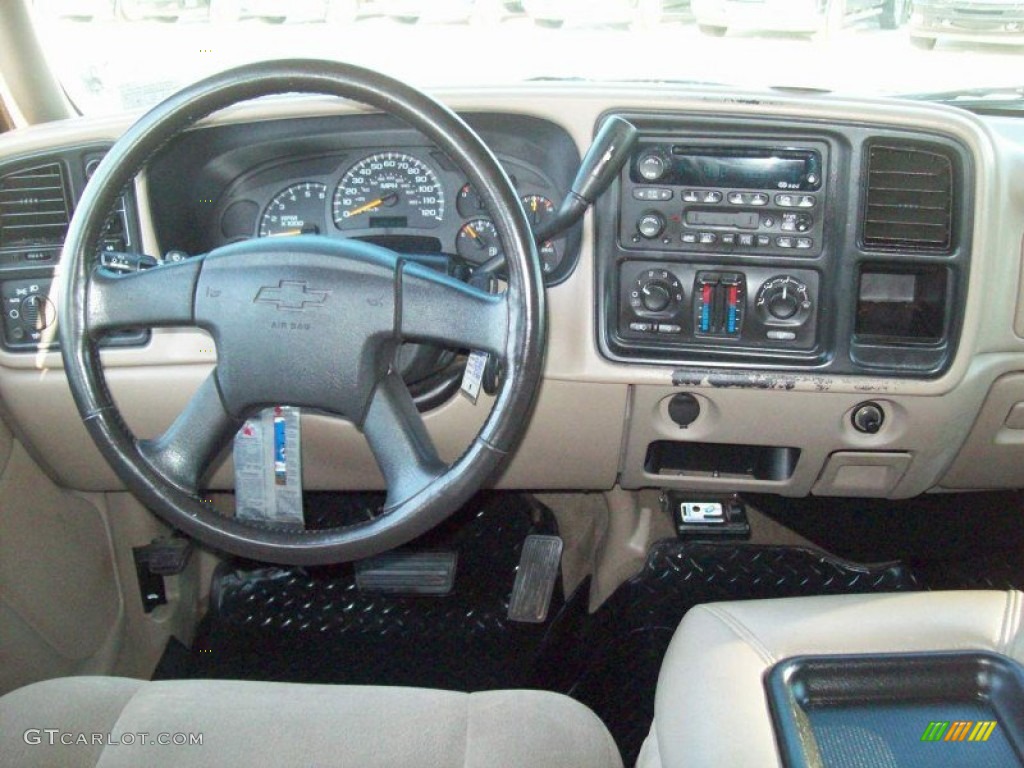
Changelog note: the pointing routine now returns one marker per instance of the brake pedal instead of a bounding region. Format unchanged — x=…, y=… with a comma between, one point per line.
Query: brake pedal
x=535, y=579
x=408, y=573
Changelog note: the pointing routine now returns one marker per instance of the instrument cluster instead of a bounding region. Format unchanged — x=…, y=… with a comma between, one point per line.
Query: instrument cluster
x=411, y=199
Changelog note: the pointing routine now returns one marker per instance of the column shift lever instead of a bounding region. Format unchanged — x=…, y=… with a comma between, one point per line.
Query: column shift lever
x=609, y=152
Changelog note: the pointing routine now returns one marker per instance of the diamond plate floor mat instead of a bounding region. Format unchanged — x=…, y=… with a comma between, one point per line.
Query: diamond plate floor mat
x=315, y=625
x=627, y=639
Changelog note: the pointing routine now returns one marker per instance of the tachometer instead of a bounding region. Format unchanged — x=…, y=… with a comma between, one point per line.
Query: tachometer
x=388, y=190
x=296, y=210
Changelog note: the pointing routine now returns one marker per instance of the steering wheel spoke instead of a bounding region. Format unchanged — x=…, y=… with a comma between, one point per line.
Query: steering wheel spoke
x=183, y=453
x=439, y=309
x=400, y=442
x=161, y=296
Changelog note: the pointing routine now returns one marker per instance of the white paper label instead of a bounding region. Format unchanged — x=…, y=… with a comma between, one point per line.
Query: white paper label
x=474, y=375
x=703, y=513
x=268, y=468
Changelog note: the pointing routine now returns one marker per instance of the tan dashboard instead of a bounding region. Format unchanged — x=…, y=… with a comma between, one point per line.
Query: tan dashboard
x=597, y=418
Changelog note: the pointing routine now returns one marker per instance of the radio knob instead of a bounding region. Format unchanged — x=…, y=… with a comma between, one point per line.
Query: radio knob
x=652, y=166
x=655, y=296
x=651, y=224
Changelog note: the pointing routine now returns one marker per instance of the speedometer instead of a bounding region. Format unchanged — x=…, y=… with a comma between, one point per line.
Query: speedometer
x=388, y=190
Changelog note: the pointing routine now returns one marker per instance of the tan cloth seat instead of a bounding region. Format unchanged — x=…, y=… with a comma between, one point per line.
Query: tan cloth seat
x=255, y=724
x=710, y=707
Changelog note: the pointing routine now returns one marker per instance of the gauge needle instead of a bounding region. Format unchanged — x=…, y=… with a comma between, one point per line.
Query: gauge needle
x=307, y=229
x=476, y=237
x=373, y=204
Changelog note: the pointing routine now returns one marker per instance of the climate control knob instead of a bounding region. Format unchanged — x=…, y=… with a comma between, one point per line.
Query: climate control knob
x=650, y=225
x=655, y=296
x=658, y=292
x=783, y=305
x=784, y=299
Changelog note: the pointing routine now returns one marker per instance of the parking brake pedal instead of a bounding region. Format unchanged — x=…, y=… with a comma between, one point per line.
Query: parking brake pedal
x=161, y=557
x=535, y=579
x=707, y=517
x=408, y=573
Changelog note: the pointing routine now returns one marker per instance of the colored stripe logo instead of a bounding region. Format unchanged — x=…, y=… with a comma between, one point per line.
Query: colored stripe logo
x=959, y=730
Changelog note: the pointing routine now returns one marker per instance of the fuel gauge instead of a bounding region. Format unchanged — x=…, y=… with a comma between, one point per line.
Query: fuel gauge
x=478, y=241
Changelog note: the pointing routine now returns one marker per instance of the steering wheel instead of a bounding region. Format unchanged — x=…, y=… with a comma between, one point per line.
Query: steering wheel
x=348, y=306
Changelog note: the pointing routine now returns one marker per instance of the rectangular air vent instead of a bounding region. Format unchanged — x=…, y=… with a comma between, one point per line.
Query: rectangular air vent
x=910, y=198
x=33, y=207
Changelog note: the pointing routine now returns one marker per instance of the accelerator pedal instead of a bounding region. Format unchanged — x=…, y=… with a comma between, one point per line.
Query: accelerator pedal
x=408, y=573
x=535, y=579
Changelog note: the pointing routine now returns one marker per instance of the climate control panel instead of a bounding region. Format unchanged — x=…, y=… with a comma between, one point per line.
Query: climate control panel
x=704, y=306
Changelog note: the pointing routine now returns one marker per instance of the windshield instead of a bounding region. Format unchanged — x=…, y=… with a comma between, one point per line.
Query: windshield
x=118, y=55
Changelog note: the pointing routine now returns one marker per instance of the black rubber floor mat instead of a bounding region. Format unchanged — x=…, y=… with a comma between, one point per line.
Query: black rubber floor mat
x=628, y=637
x=1001, y=569
x=314, y=625
x=934, y=527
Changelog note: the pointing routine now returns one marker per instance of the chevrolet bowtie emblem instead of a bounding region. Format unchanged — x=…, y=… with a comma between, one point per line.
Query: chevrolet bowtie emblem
x=291, y=295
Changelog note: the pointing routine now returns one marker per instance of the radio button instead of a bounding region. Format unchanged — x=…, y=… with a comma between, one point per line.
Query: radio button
x=804, y=243
x=806, y=201
x=763, y=241
x=747, y=240
x=736, y=198
x=784, y=242
x=786, y=201
x=707, y=238
x=728, y=239
x=759, y=198
x=781, y=335
x=653, y=194
x=689, y=237
x=669, y=328
x=691, y=196
x=641, y=327
x=796, y=222
x=713, y=197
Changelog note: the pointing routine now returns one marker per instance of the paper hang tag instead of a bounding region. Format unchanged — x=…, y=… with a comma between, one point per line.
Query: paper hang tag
x=268, y=468
x=474, y=375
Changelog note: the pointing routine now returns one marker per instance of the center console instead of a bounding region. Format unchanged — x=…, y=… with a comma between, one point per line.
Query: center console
x=770, y=244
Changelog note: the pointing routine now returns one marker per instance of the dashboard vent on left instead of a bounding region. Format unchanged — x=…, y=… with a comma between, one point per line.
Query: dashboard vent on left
x=910, y=198
x=33, y=207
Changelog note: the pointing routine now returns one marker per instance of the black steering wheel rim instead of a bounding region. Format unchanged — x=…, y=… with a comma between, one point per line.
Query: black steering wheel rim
x=523, y=348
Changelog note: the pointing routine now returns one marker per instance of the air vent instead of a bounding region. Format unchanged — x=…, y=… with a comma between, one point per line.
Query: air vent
x=909, y=203
x=33, y=207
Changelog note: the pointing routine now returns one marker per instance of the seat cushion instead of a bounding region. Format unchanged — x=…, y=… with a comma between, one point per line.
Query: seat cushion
x=710, y=707
x=281, y=724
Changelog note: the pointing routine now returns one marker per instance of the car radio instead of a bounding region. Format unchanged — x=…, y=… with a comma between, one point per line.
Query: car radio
x=740, y=197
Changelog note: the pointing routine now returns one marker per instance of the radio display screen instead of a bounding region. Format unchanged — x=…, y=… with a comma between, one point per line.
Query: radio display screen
x=746, y=168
